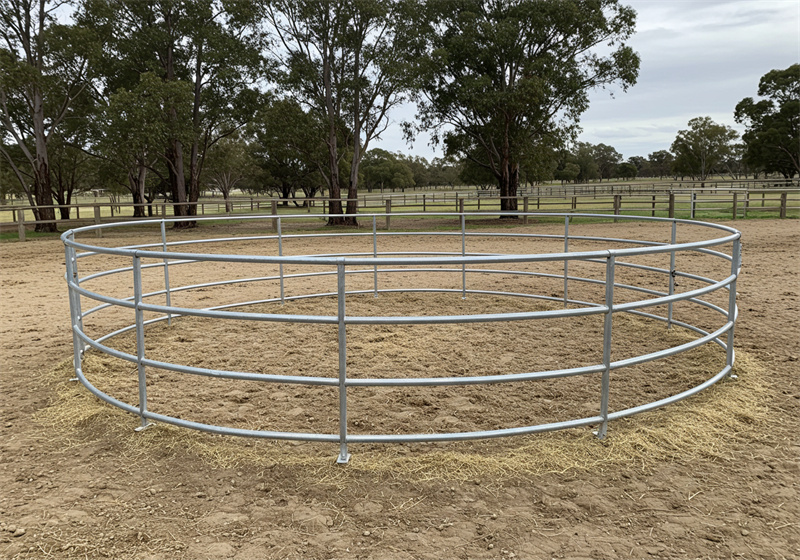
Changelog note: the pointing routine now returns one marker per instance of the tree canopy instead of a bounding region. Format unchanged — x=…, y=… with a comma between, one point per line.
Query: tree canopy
x=772, y=139
x=702, y=148
x=507, y=81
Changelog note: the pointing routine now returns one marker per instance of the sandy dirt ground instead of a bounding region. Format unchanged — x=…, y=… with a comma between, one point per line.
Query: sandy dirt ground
x=76, y=481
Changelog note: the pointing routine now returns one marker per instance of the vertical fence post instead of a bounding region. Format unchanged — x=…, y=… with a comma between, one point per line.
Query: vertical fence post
x=746, y=203
x=736, y=263
x=274, y=213
x=463, y=254
x=98, y=232
x=653, y=207
x=783, y=204
x=280, y=265
x=735, y=205
x=566, y=262
x=461, y=205
x=673, y=240
x=166, y=270
x=21, y=224
x=692, y=198
x=524, y=209
x=344, y=456
x=671, y=212
x=424, y=203
x=607, y=328
x=388, y=212
x=617, y=205
x=142, y=379
x=74, y=306
x=375, y=252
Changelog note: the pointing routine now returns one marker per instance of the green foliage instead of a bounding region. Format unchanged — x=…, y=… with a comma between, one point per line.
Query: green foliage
x=289, y=149
x=348, y=62
x=703, y=148
x=661, y=163
x=772, y=139
x=607, y=160
x=384, y=170
x=43, y=71
x=627, y=170
x=509, y=80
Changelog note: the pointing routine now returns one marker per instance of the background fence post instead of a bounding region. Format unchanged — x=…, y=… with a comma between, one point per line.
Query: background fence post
x=274, y=213
x=735, y=205
x=524, y=209
x=388, y=212
x=98, y=232
x=783, y=204
x=671, y=205
x=21, y=224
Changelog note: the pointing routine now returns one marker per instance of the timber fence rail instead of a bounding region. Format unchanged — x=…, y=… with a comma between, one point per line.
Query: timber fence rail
x=715, y=202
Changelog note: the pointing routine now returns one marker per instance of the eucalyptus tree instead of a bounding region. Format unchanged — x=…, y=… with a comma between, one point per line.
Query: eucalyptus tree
x=289, y=147
x=348, y=62
x=509, y=79
x=661, y=163
x=132, y=128
x=228, y=165
x=212, y=46
x=772, y=138
x=703, y=148
x=43, y=70
x=607, y=159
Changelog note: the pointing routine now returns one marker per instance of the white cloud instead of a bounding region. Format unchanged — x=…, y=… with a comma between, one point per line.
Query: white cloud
x=698, y=58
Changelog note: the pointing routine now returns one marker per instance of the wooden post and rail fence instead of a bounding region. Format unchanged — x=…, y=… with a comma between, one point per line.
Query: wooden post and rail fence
x=712, y=203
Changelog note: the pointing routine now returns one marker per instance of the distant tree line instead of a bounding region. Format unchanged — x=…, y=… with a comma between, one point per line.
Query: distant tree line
x=168, y=99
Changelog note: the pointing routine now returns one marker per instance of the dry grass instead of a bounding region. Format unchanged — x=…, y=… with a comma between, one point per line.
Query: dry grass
x=704, y=425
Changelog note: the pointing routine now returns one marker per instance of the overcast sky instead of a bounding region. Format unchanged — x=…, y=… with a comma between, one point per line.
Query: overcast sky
x=698, y=58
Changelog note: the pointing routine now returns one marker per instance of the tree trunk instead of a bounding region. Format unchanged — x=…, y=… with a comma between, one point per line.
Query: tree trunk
x=177, y=180
x=509, y=185
x=41, y=169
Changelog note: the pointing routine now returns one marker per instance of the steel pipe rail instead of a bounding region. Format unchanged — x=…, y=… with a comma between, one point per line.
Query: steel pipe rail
x=167, y=254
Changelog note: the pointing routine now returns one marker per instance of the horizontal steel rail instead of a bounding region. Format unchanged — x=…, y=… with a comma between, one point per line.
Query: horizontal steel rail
x=164, y=255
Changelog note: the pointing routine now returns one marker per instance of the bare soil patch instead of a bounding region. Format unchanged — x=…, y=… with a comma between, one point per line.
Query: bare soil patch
x=78, y=482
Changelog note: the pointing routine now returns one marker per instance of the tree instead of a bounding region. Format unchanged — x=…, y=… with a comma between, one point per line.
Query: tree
x=700, y=150
x=228, y=163
x=661, y=163
x=509, y=80
x=584, y=158
x=43, y=70
x=568, y=172
x=627, y=170
x=211, y=46
x=349, y=62
x=382, y=169
x=289, y=149
x=607, y=159
x=133, y=128
x=772, y=138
